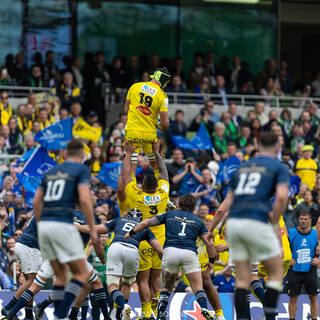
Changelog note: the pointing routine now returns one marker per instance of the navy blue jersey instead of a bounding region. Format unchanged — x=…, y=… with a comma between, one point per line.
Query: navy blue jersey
x=30, y=235
x=254, y=185
x=182, y=229
x=60, y=190
x=120, y=226
x=80, y=219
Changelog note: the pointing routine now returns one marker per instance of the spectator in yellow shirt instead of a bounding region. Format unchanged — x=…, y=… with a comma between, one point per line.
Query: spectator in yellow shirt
x=307, y=168
x=4, y=104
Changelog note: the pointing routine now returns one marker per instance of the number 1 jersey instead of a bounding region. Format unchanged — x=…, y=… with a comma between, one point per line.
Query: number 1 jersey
x=150, y=204
x=60, y=188
x=254, y=184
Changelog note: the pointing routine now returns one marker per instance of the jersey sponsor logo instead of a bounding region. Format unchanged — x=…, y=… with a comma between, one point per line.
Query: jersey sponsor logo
x=145, y=110
x=151, y=200
x=149, y=90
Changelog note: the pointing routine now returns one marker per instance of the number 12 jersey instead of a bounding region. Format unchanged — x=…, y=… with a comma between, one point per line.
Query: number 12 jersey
x=254, y=184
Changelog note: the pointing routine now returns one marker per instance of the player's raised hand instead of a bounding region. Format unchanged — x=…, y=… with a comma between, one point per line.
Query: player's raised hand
x=128, y=147
x=156, y=147
x=127, y=236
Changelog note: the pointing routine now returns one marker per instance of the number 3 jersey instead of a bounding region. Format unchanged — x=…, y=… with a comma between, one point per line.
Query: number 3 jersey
x=120, y=226
x=60, y=188
x=150, y=204
x=253, y=186
x=147, y=99
x=182, y=229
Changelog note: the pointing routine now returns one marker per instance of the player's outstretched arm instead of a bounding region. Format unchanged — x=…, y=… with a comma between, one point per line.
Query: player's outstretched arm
x=38, y=204
x=222, y=210
x=163, y=172
x=100, y=229
x=126, y=165
x=280, y=203
x=121, y=195
x=141, y=226
x=126, y=106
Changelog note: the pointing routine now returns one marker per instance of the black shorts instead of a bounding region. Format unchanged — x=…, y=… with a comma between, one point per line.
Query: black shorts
x=297, y=279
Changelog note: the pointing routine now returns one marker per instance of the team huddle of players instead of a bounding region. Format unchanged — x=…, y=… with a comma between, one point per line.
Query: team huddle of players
x=152, y=240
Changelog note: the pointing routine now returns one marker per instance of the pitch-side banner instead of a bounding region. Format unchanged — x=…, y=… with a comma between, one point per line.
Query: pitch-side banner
x=183, y=306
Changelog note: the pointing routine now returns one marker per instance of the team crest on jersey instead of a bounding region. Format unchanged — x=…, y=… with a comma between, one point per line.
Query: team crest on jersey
x=145, y=110
x=151, y=200
x=149, y=90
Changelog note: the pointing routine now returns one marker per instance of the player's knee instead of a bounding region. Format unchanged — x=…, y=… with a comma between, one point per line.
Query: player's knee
x=93, y=278
x=134, y=157
x=113, y=280
x=128, y=281
x=170, y=280
x=39, y=282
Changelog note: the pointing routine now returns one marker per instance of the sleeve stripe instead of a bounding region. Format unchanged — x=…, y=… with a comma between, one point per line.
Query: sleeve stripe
x=204, y=233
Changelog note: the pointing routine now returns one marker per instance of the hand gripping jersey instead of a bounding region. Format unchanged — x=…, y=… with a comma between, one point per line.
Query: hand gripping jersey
x=120, y=226
x=254, y=185
x=60, y=190
x=30, y=235
x=150, y=204
x=182, y=229
x=147, y=99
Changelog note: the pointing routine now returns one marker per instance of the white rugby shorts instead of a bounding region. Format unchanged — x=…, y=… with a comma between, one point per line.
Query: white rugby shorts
x=60, y=241
x=173, y=258
x=122, y=260
x=251, y=240
x=30, y=259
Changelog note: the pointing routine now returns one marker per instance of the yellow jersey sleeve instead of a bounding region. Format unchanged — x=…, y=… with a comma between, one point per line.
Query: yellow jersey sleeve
x=164, y=102
x=131, y=191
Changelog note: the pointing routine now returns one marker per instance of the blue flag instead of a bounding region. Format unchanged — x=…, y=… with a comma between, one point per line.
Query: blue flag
x=294, y=185
x=182, y=143
x=55, y=136
x=201, y=141
x=24, y=158
x=109, y=174
x=39, y=163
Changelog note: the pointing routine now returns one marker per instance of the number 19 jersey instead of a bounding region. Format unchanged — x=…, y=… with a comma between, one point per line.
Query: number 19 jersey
x=150, y=204
x=254, y=185
x=147, y=99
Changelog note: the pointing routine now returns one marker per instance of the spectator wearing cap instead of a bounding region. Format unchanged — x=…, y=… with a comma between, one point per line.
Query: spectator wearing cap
x=176, y=165
x=189, y=178
x=92, y=117
x=307, y=168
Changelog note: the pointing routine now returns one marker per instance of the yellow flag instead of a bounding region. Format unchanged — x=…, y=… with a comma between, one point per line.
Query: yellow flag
x=83, y=130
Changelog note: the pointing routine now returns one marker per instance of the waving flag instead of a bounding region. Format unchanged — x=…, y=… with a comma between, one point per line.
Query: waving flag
x=294, y=185
x=109, y=174
x=83, y=130
x=55, y=136
x=201, y=141
x=24, y=158
x=38, y=163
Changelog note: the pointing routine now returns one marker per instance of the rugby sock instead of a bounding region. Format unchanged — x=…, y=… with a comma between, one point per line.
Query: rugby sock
x=154, y=303
x=219, y=313
x=240, y=298
x=10, y=305
x=201, y=298
x=101, y=299
x=258, y=290
x=95, y=311
x=146, y=309
x=118, y=298
x=271, y=301
x=23, y=301
x=29, y=312
x=84, y=309
x=42, y=305
x=57, y=296
x=70, y=293
x=248, y=298
x=162, y=305
x=74, y=313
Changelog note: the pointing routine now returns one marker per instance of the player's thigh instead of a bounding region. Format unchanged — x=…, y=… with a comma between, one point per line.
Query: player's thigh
x=44, y=237
x=195, y=280
x=130, y=262
x=30, y=259
x=237, y=243
x=114, y=260
x=294, y=285
x=310, y=281
x=171, y=260
x=146, y=254
x=189, y=261
x=203, y=259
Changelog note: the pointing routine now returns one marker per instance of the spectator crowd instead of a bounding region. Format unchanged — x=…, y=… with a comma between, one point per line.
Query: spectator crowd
x=191, y=171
